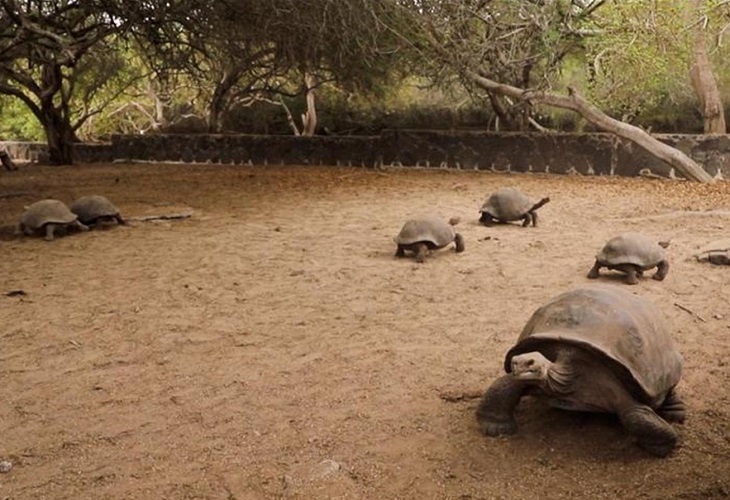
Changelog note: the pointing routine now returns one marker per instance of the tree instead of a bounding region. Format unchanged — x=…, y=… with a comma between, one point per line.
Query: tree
x=457, y=35
x=288, y=49
x=638, y=57
x=522, y=44
x=44, y=50
x=703, y=78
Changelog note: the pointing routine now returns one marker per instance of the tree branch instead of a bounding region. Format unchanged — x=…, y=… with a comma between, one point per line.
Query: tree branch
x=575, y=102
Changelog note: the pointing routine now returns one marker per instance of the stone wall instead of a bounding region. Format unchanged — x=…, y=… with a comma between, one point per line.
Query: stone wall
x=37, y=152
x=587, y=154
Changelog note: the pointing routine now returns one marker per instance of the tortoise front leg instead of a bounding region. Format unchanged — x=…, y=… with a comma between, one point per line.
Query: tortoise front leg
x=662, y=270
x=120, y=221
x=400, y=252
x=655, y=435
x=631, y=275
x=459, y=241
x=486, y=219
x=50, y=228
x=594, y=273
x=495, y=413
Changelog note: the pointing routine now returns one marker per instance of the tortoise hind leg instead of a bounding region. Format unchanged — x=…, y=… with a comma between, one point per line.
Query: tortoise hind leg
x=672, y=409
x=528, y=219
x=662, y=270
x=655, y=435
x=80, y=225
x=595, y=271
x=495, y=412
x=459, y=241
x=534, y=218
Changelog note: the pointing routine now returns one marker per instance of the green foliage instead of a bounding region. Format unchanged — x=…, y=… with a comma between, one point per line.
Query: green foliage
x=639, y=57
x=630, y=57
x=17, y=122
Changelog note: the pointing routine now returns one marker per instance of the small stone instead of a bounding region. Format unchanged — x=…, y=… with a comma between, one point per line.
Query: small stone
x=5, y=466
x=325, y=468
x=717, y=316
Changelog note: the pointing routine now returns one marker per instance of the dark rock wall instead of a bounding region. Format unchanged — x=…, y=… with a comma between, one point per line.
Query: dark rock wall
x=565, y=153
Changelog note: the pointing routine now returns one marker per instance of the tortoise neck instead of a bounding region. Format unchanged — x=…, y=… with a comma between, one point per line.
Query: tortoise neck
x=560, y=375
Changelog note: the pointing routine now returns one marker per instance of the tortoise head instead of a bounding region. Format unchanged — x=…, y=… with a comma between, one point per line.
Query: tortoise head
x=531, y=366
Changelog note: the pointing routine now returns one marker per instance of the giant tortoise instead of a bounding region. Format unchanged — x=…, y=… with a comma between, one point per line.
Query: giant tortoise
x=510, y=204
x=596, y=349
x=48, y=216
x=427, y=233
x=95, y=210
x=632, y=253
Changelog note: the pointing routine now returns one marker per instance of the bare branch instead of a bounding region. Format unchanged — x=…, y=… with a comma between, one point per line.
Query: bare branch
x=575, y=102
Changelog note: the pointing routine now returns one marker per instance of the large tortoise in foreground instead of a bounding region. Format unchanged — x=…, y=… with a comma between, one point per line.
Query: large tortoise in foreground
x=598, y=349
x=48, y=216
x=427, y=233
x=510, y=204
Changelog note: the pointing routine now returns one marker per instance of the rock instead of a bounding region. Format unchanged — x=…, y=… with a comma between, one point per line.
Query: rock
x=5, y=466
x=325, y=468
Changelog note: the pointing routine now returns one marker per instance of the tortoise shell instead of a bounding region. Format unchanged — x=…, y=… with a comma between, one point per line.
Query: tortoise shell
x=631, y=248
x=90, y=208
x=626, y=332
x=45, y=212
x=507, y=204
x=429, y=229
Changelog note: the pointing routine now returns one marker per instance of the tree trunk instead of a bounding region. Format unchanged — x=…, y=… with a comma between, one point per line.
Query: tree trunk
x=309, y=118
x=7, y=162
x=59, y=136
x=506, y=113
x=56, y=124
x=575, y=102
x=219, y=100
x=703, y=78
x=55, y=119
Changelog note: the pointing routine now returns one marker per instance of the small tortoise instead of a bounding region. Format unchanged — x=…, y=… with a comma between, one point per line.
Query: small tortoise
x=632, y=253
x=717, y=252
x=510, y=204
x=95, y=209
x=49, y=216
x=596, y=349
x=427, y=233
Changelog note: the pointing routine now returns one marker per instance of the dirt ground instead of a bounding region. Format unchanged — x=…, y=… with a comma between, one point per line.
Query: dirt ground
x=272, y=346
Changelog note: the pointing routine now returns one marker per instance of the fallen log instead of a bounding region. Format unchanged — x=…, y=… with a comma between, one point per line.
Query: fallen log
x=147, y=218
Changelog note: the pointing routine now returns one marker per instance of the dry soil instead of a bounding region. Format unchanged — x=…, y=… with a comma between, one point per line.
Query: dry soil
x=272, y=346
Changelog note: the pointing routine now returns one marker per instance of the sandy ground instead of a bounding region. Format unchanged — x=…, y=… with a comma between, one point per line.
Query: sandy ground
x=271, y=346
